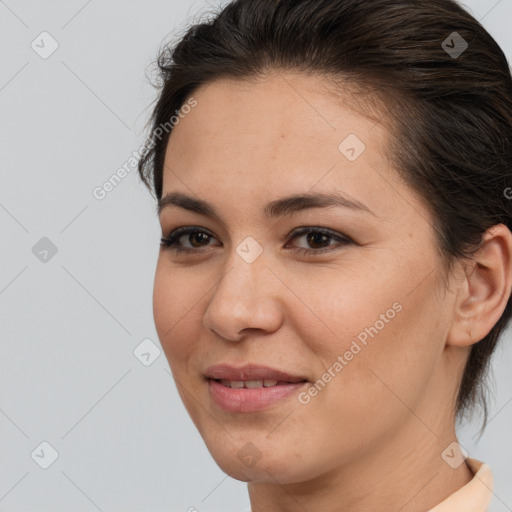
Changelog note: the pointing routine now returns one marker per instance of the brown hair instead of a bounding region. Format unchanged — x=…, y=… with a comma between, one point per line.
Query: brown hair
x=449, y=107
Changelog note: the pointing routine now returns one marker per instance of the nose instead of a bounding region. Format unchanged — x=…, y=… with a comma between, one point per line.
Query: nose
x=245, y=298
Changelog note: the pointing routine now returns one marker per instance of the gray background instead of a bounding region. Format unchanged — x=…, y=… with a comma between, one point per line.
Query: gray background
x=70, y=325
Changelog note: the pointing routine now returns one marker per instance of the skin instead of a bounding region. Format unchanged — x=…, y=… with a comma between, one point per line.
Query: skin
x=372, y=438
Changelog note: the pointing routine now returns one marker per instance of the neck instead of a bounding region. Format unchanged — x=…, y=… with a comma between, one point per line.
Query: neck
x=406, y=474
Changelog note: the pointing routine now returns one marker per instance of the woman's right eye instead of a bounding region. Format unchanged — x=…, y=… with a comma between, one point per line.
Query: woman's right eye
x=173, y=239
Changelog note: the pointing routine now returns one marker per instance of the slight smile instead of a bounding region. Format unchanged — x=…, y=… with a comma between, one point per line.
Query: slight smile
x=250, y=388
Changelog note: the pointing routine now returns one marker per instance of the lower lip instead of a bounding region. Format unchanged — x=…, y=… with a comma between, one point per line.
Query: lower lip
x=250, y=400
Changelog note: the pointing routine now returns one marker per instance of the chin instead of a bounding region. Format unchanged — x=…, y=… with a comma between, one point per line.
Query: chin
x=248, y=464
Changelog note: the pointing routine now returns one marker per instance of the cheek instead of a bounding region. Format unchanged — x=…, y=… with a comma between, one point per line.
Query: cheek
x=177, y=325
x=174, y=315
x=376, y=340
x=354, y=307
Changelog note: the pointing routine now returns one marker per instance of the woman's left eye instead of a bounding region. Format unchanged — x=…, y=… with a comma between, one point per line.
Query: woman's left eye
x=318, y=236
x=313, y=236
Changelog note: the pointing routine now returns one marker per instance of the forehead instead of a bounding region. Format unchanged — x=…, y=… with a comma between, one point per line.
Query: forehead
x=274, y=107
x=276, y=119
x=282, y=134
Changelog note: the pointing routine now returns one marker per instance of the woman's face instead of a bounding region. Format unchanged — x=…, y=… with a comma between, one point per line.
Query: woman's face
x=358, y=324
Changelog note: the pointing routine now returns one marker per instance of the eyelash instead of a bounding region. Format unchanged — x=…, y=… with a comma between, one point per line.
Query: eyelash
x=170, y=242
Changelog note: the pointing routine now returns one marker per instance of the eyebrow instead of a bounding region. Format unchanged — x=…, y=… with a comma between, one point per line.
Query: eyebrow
x=277, y=208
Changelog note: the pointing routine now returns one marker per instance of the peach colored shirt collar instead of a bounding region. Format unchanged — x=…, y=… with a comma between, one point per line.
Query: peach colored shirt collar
x=475, y=496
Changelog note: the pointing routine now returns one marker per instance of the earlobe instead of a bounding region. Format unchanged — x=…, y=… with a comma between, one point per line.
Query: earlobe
x=484, y=291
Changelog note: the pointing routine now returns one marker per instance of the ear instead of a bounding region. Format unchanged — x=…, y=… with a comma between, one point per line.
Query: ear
x=483, y=293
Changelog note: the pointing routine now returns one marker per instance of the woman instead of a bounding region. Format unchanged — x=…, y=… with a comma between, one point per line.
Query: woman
x=335, y=265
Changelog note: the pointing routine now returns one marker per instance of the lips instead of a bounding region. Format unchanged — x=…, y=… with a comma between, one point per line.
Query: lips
x=250, y=388
x=250, y=373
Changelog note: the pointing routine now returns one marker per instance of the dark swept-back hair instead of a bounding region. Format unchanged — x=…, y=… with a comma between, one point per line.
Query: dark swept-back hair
x=441, y=81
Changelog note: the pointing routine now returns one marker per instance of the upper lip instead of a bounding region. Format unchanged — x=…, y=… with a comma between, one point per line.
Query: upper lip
x=249, y=372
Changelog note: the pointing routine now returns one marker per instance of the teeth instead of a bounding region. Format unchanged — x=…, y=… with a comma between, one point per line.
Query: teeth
x=251, y=384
